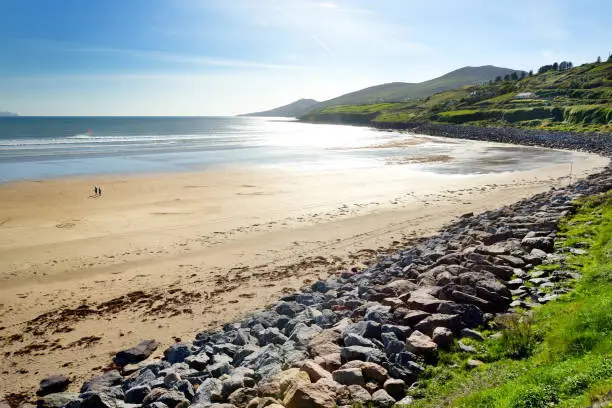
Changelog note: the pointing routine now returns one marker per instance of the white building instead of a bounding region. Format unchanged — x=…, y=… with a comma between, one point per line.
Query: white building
x=525, y=95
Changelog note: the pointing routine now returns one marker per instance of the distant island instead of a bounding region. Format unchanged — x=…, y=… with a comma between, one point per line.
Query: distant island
x=293, y=110
x=4, y=114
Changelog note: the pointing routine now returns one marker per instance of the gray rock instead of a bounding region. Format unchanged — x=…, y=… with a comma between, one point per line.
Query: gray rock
x=154, y=395
x=239, y=377
x=173, y=398
x=514, y=283
x=407, y=400
x=271, y=335
x=243, y=337
x=156, y=405
x=395, y=387
x=381, y=398
x=465, y=348
x=207, y=391
x=198, y=362
x=267, y=360
x=145, y=376
x=547, y=298
x=412, y=317
x=301, y=334
x=244, y=352
x=352, y=339
x=136, y=395
x=178, y=352
x=53, y=384
x=513, y=261
x=103, y=382
x=401, y=332
x=545, y=244
x=368, y=329
x=359, y=394
x=228, y=349
x=469, y=315
x=362, y=353
x=136, y=354
x=472, y=334
x=442, y=336
x=349, y=376
x=99, y=400
x=427, y=325
x=421, y=300
x=171, y=378
x=57, y=400
x=289, y=309
x=378, y=313
x=394, y=347
x=218, y=369
x=327, y=318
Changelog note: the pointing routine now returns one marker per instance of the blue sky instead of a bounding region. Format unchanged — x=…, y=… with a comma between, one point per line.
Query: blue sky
x=204, y=57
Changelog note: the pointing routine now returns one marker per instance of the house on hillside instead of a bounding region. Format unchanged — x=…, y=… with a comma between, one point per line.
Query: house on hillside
x=525, y=95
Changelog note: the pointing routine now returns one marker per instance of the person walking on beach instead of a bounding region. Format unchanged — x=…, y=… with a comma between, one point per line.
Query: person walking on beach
x=95, y=190
x=99, y=191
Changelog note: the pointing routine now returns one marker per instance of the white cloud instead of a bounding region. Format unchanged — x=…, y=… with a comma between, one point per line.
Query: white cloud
x=186, y=59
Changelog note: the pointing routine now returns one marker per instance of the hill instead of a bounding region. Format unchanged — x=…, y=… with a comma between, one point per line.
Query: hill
x=4, y=113
x=577, y=99
x=402, y=91
x=292, y=110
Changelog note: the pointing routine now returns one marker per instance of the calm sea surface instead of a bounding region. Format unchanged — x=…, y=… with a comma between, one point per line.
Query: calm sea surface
x=43, y=147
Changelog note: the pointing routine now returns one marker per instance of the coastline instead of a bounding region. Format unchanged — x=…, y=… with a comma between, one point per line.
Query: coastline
x=593, y=142
x=208, y=246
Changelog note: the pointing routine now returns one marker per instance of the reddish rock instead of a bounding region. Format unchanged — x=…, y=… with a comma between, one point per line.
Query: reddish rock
x=315, y=371
x=330, y=362
x=302, y=395
x=420, y=343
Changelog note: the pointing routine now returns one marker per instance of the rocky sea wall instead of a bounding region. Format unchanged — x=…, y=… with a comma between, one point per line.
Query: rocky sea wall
x=588, y=142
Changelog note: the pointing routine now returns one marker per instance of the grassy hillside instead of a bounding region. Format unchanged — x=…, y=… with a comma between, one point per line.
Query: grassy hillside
x=561, y=355
x=292, y=110
x=402, y=91
x=579, y=99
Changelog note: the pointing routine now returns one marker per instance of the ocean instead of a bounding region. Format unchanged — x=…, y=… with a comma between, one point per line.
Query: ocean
x=45, y=147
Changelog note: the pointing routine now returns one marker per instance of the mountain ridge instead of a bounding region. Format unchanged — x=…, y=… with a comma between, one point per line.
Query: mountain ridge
x=574, y=99
x=294, y=109
x=394, y=91
x=404, y=91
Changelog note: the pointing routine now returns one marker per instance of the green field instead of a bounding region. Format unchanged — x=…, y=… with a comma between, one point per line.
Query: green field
x=578, y=99
x=560, y=355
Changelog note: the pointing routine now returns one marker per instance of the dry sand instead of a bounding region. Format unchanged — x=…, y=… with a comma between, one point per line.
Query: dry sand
x=165, y=256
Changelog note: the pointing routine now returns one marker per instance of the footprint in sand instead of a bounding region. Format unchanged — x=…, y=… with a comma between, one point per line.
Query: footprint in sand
x=67, y=224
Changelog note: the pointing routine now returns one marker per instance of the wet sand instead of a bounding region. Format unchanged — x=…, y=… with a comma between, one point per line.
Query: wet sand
x=168, y=255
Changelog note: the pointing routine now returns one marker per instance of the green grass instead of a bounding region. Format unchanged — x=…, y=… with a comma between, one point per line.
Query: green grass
x=561, y=355
x=576, y=100
x=363, y=109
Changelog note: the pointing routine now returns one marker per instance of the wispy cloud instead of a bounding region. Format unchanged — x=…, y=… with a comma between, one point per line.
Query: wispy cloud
x=186, y=59
x=321, y=43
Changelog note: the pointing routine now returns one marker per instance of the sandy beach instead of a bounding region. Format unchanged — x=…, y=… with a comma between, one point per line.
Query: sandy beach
x=167, y=255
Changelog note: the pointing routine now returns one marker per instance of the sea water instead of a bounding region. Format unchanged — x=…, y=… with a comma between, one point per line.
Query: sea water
x=44, y=147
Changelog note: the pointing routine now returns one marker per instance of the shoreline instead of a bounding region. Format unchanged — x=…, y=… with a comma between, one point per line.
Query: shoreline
x=141, y=250
x=593, y=142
